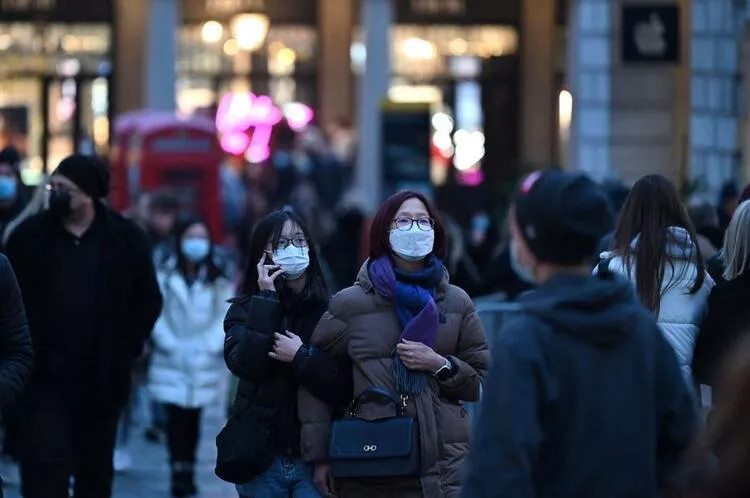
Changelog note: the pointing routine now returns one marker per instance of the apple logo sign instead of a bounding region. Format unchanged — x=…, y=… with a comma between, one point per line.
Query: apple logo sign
x=649, y=37
x=650, y=33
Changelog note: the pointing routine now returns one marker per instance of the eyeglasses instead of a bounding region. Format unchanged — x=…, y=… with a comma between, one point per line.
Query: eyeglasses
x=405, y=224
x=298, y=242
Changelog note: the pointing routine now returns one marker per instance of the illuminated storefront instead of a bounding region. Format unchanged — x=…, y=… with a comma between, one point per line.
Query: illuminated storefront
x=462, y=57
x=268, y=47
x=55, y=79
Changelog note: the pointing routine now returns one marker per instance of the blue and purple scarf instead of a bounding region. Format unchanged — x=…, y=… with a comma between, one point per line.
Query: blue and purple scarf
x=413, y=297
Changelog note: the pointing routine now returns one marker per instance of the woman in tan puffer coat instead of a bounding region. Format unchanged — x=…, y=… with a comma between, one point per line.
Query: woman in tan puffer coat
x=407, y=330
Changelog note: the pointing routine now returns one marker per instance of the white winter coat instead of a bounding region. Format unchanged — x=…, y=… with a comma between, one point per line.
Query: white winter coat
x=187, y=366
x=679, y=312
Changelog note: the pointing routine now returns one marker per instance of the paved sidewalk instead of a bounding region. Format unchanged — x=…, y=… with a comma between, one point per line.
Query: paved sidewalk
x=150, y=475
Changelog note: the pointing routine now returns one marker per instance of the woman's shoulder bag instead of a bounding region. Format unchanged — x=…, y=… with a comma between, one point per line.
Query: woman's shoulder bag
x=376, y=448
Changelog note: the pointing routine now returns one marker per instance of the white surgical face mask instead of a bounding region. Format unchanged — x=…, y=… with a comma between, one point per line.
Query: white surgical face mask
x=195, y=249
x=520, y=271
x=293, y=260
x=413, y=244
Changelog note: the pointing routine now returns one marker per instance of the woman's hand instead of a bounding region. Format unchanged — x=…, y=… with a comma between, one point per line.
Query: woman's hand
x=286, y=346
x=323, y=479
x=267, y=274
x=420, y=357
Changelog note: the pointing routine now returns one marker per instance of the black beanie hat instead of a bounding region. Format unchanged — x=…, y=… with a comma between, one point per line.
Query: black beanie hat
x=87, y=173
x=562, y=216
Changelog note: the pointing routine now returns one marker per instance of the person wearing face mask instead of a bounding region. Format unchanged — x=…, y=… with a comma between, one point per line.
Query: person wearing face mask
x=585, y=397
x=187, y=368
x=13, y=193
x=92, y=298
x=267, y=347
x=407, y=330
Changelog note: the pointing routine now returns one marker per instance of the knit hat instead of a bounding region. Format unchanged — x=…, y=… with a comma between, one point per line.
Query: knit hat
x=562, y=216
x=87, y=173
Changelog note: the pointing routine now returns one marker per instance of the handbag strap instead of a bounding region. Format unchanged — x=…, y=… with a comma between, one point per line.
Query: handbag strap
x=375, y=393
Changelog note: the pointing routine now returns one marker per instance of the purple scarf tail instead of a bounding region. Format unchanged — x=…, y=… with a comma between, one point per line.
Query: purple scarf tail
x=416, y=326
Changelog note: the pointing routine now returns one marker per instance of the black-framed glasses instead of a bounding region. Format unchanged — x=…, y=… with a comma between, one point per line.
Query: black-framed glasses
x=405, y=224
x=298, y=242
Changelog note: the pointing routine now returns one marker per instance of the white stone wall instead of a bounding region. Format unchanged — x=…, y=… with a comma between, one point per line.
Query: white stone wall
x=715, y=92
x=629, y=119
x=589, y=79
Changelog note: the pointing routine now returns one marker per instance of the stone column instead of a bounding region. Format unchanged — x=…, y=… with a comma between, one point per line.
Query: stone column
x=335, y=26
x=538, y=92
x=376, y=20
x=161, y=76
x=130, y=55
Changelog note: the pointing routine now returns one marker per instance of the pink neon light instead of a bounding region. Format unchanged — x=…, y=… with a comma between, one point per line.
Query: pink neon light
x=235, y=142
x=298, y=115
x=472, y=178
x=238, y=112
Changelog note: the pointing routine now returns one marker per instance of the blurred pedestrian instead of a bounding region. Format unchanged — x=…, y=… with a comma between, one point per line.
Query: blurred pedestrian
x=13, y=193
x=343, y=248
x=729, y=197
x=163, y=210
x=267, y=346
x=92, y=298
x=16, y=356
x=656, y=248
x=585, y=397
x=721, y=456
x=715, y=264
x=410, y=332
x=727, y=319
x=187, y=368
x=464, y=273
x=706, y=223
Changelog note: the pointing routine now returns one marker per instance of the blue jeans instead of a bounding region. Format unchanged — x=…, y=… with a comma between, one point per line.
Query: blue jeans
x=286, y=478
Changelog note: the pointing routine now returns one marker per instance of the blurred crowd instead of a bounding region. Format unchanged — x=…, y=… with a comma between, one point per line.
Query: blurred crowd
x=625, y=312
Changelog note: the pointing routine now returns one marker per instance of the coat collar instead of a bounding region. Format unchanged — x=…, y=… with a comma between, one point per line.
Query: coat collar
x=364, y=281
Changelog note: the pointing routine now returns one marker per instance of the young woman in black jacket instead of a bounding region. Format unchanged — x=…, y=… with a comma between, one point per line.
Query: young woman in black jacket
x=267, y=335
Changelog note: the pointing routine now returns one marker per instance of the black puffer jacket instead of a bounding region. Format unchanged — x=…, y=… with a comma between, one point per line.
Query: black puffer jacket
x=250, y=326
x=16, y=353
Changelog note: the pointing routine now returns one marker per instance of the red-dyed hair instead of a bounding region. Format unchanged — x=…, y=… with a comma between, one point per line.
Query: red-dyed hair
x=381, y=224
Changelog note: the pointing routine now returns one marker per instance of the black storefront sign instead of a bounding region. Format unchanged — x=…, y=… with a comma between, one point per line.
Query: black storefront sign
x=64, y=11
x=651, y=34
x=458, y=11
x=278, y=11
x=406, y=148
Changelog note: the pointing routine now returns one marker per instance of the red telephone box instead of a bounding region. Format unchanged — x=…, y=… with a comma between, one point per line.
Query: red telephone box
x=165, y=152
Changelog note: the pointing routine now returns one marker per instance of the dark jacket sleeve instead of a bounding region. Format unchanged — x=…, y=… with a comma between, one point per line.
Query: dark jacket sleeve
x=327, y=377
x=676, y=410
x=146, y=301
x=249, y=327
x=717, y=335
x=508, y=433
x=16, y=352
x=471, y=360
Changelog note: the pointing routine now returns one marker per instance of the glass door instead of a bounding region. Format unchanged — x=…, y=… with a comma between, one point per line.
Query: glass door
x=77, y=118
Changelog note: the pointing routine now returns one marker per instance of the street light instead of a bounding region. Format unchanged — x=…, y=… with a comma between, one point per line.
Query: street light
x=250, y=30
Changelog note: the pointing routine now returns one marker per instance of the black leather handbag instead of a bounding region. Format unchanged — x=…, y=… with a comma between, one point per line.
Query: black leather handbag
x=387, y=447
x=245, y=447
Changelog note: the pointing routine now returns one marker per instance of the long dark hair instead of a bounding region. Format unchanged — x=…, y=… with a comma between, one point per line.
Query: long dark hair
x=381, y=224
x=213, y=272
x=652, y=207
x=270, y=228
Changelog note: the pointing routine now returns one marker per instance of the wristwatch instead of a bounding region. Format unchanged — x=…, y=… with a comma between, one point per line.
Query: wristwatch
x=445, y=372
